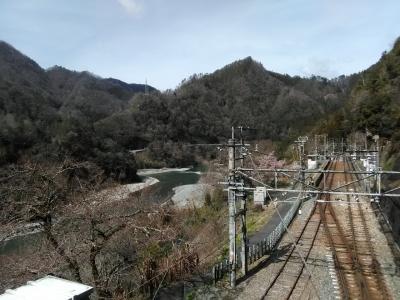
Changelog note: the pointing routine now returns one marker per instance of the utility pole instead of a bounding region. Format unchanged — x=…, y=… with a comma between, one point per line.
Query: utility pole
x=232, y=209
x=300, y=146
x=377, y=163
x=316, y=144
x=320, y=145
x=342, y=145
x=243, y=208
x=236, y=191
x=355, y=149
x=377, y=159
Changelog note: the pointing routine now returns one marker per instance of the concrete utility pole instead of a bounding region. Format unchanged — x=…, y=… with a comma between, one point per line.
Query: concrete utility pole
x=316, y=144
x=236, y=191
x=377, y=163
x=376, y=138
x=342, y=145
x=243, y=208
x=232, y=209
x=320, y=145
x=300, y=146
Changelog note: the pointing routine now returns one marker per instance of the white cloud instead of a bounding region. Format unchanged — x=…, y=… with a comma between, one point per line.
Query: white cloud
x=132, y=7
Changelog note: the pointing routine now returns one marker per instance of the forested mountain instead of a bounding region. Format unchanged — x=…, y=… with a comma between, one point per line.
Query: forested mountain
x=204, y=107
x=375, y=100
x=47, y=114
x=84, y=95
x=373, y=105
x=28, y=109
x=245, y=93
x=59, y=112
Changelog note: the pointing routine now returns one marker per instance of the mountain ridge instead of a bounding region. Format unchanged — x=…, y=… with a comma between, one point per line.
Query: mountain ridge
x=100, y=119
x=43, y=111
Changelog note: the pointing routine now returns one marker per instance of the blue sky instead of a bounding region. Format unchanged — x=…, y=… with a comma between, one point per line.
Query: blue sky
x=168, y=40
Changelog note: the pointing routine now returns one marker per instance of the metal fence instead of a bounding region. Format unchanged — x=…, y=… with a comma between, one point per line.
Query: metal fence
x=258, y=250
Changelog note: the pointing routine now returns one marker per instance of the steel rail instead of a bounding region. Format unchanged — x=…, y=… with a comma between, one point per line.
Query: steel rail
x=355, y=260
x=290, y=255
x=375, y=266
x=362, y=282
x=287, y=260
x=342, y=279
x=319, y=225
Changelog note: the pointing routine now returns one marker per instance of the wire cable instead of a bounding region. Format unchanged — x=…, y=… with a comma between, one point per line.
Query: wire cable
x=290, y=234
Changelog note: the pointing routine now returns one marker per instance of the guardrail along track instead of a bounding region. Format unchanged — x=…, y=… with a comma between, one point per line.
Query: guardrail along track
x=287, y=280
x=356, y=265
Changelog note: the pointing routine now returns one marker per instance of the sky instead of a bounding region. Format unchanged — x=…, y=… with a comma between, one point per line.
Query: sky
x=165, y=41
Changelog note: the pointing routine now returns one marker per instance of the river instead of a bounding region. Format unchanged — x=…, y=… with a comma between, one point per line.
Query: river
x=169, y=180
x=159, y=193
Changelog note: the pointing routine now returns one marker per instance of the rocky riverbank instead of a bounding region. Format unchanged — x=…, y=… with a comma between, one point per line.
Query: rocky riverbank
x=190, y=195
x=147, y=172
x=121, y=192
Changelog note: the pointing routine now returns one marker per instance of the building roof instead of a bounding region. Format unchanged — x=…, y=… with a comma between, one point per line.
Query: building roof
x=48, y=288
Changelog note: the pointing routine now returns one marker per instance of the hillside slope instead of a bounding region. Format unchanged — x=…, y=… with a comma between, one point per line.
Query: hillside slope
x=373, y=105
x=45, y=114
x=28, y=107
x=204, y=107
x=246, y=93
x=90, y=118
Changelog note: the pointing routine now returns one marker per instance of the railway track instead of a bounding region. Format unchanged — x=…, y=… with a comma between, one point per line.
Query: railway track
x=366, y=257
x=287, y=280
x=346, y=233
x=355, y=261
